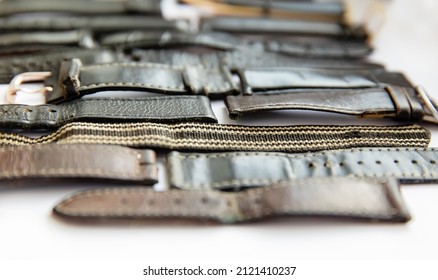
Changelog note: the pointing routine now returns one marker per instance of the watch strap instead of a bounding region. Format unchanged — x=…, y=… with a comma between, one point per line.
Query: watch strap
x=78, y=161
x=78, y=80
x=400, y=103
x=334, y=197
x=217, y=137
x=153, y=109
x=51, y=60
x=255, y=169
x=80, y=7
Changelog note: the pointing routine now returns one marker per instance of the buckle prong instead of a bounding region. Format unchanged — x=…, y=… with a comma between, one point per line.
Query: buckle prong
x=17, y=81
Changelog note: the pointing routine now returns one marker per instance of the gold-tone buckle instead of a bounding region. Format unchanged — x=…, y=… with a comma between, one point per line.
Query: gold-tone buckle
x=17, y=81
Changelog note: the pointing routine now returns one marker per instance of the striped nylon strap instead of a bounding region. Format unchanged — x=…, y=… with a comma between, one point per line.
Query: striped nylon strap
x=218, y=137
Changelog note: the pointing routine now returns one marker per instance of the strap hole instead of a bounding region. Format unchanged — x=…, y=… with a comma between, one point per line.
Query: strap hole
x=396, y=161
x=341, y=164
x=311, y=165
x=432, y=162
x=28, y=110
x=378, y=162
x=414, y=162
x=52, y=111
x=360, y=162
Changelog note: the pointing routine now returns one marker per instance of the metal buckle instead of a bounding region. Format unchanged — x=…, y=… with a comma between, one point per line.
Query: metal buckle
x=15, y=84
x=430, y=104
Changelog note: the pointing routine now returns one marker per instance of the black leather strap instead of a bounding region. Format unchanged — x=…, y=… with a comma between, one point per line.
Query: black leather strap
x=80, y=6
x=216, y=137
x=242, y=170
x=392, y=101
x=108, y=23
x=334, y=197
x=78, y=80
x=51, y=61
x=79, y=162
x=154, y=109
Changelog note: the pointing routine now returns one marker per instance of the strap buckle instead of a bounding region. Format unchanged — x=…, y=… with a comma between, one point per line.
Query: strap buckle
x=429, y=103
x=17, y=81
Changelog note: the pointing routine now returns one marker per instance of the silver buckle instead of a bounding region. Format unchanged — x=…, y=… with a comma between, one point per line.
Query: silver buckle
x=17, y=81
x=430, y=105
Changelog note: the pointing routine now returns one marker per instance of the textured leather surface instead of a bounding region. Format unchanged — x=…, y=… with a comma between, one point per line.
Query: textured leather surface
x=239, y=170
x=393, y=102
x=241, y=59
x=51, y=61
x=79, y=6
x=79, y=80
x=217, y=137
x=155, y=109
x=338, y=197
x=96, y=23
x=78, y=161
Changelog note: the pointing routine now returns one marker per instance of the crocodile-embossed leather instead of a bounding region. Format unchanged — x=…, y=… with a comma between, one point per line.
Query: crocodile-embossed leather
x=238, y=170
x=78, y=161
x=334, y=197
x=154, y=109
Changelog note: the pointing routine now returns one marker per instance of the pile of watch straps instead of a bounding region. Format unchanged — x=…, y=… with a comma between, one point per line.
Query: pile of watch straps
x=256, y=56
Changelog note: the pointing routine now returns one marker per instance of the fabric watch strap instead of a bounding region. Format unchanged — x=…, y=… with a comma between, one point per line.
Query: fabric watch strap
x=78, y=80
x=255, y=169
x=216, y=137
x=79, y=6
x=78, y=161
x=154, y=109
x=392, y=101
x=340, y=197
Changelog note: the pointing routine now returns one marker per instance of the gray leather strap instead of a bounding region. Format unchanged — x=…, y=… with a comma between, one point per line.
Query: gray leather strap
x=334, y=197
x=241, y=170
x=216, y=137
x=282, y=26
x=78, y=161
x=51, y=60
x=79, y=6
x=109, y=23
x=244, y=59
x=392, y=101
x=154, y=109
x=78, y=80
x=41, y=40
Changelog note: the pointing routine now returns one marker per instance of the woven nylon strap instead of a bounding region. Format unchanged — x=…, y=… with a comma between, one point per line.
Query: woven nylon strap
x=217, y=137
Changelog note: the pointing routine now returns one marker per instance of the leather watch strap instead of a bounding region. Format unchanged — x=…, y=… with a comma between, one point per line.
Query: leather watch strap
x=75, y=80
x=108, y=23
x=154, y=109
x=281, y=26
x=339, y=197
x=79, y=6
x=78, y=161
x=400, y=103
x=216, y=137
x=255, y=169
x=49, y=60
x=235, y=60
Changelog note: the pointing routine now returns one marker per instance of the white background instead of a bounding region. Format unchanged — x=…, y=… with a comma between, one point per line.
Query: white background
x=31, y=238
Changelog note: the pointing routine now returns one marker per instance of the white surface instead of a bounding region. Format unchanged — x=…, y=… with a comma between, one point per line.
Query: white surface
x=408, y=42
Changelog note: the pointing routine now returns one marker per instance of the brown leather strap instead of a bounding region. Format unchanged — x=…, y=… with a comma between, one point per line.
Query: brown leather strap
x=78, y=161
x=342, y=197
